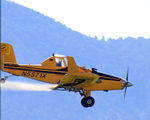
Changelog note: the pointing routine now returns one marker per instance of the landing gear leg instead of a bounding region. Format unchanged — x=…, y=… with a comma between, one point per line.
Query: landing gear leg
x=87, y=100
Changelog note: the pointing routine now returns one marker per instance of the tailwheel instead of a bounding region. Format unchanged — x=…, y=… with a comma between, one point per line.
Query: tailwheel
x=87, y=101
x=2, y=80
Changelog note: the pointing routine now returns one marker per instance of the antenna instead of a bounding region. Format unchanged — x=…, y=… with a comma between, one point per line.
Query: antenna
x=53, y=54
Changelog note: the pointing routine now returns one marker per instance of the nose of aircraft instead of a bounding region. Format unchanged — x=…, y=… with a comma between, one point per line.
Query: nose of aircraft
x=129, y=84
x=126, y=84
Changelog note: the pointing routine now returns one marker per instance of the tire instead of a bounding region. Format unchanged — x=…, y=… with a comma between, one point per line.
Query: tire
x=2, y=81
x=87, y=101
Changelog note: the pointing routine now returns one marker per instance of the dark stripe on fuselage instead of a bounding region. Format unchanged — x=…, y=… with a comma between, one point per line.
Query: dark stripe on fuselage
x=15, y=65
x=109, y=79
x=35, y=70
x=106, y=77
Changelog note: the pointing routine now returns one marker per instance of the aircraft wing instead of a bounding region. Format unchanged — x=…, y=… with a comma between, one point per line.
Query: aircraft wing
x=79, y=80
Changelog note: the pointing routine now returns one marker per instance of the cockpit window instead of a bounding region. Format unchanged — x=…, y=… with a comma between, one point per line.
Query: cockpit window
x=61, y=61
x=65, y=62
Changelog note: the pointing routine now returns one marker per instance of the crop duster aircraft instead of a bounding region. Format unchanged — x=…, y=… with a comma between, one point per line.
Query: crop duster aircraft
x=63, y=71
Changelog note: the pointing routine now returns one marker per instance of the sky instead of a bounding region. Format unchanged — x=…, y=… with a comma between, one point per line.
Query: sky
x=97, y=18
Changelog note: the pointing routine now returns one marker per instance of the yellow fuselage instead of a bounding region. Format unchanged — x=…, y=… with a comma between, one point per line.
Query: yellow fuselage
x=56, y=75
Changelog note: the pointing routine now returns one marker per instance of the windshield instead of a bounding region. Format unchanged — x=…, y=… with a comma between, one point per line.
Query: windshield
x=61, y=61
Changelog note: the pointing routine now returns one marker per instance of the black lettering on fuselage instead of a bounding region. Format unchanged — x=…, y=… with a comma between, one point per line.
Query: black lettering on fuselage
x=33, y=74
x=43, y=75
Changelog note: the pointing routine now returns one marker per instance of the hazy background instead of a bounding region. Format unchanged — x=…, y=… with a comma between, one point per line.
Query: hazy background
x=35, y=37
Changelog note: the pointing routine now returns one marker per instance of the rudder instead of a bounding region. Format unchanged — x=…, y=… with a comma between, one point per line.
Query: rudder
x=7, y=54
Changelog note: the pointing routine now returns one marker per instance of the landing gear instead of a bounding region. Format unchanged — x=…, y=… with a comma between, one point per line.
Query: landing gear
x=2, y=80
x=87, y=101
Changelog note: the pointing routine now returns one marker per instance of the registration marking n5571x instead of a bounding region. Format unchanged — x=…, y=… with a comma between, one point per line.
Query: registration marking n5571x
x=33, y=74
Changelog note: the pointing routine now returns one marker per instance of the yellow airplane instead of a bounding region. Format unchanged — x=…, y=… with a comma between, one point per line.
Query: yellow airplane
x=64, y=72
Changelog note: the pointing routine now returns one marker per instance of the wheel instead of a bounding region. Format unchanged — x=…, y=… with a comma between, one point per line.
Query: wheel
x=87, y=101
x=2, y=80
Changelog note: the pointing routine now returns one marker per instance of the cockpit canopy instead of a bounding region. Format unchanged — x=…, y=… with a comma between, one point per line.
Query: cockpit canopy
x=56, y=61
x=61, y=61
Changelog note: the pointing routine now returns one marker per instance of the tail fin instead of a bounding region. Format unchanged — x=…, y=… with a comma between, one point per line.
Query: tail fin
x=72, y=67
x=7, y=54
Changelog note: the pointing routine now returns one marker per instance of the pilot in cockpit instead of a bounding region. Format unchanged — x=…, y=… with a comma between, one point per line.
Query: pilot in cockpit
x=58, y=62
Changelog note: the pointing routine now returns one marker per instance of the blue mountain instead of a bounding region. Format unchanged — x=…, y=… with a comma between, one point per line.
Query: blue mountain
x=35, y=37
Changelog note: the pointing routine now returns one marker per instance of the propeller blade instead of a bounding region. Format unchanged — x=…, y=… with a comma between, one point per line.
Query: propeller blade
x=127, y=75
x=125, y=92
x=126, y=83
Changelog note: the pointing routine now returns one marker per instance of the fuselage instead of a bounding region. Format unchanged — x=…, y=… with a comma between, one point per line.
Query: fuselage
x=56, y=74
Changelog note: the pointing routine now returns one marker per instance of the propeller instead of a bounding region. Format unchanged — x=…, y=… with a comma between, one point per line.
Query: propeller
x=126, y=84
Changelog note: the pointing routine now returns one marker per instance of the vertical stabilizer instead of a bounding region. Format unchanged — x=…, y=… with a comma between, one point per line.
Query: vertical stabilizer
x=7, y=54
